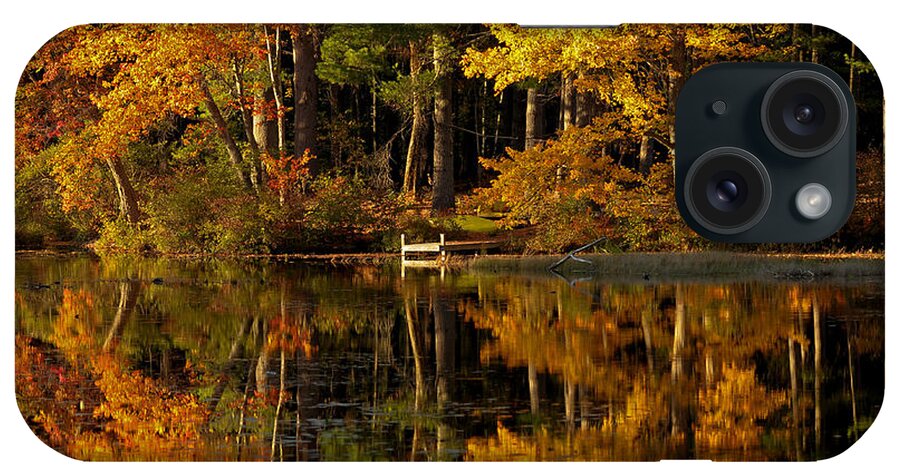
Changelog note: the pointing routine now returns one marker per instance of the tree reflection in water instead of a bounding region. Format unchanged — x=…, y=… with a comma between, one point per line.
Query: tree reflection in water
x=239, y=360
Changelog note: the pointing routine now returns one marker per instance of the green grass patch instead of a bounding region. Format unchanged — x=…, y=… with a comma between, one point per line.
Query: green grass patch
x=474, y=224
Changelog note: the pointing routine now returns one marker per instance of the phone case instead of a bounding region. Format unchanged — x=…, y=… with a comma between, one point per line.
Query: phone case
x=421, y=242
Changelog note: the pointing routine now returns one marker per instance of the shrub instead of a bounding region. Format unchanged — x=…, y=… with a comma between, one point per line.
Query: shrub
x=566, y=224
x=121, y=237
x=645, y=216
x=39, y=215
x=207, y=211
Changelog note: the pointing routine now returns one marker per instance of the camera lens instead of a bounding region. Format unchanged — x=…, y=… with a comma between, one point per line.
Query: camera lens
x=727, y=190
x=804, y=113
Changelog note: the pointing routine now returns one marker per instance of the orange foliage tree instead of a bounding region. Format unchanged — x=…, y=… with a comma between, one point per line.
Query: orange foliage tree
x=135, y=76
x=627, y=80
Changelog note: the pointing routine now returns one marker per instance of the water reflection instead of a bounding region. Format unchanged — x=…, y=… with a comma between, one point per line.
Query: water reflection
x=217, y=360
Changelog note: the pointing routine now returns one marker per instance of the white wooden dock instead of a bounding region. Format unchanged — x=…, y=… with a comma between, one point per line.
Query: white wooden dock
x=442, y=250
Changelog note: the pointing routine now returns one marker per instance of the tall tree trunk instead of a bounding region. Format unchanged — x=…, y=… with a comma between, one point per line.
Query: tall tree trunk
x=247, y=121
x=128, y=204
x=305, y=91
x=500, y=104
x=584, y=108
x=234, y=153
x=568, y=99
x=273, y=53
x=795, y=41
x=645, y=155
x=813, y=47
x=264, y=129
x=533, y=119
x=417, y=152
x=679, y=71
x=442, y=191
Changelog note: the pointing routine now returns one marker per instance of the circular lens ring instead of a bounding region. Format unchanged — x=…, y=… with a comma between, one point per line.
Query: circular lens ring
x=750, y=159
x=838, y=96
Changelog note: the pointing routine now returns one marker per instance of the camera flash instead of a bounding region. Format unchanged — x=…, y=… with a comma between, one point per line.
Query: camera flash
x=813, y=201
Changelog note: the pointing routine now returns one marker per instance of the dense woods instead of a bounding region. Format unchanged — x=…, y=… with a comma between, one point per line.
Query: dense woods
x=235, y=139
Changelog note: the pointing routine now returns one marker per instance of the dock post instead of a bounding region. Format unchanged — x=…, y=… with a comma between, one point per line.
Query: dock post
x=402, y=247
x=443, y=251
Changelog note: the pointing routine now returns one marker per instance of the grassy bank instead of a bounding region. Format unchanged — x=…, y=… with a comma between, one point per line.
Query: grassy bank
x=656, y=266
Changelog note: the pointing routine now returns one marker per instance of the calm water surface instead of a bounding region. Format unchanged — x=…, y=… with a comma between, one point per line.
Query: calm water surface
x=236, y=360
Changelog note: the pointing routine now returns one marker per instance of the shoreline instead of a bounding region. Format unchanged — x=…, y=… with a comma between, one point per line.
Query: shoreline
x=865, y=255
x=635, y=267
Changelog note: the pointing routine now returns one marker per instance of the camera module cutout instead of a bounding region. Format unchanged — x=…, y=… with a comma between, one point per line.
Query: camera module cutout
x=765, y=152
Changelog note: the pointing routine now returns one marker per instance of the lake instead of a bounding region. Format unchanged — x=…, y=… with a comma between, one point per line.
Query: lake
x=212, y=359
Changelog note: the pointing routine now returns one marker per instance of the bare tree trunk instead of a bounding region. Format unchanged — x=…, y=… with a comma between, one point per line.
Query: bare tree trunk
x=584, y=108
x=274, y=58
x=679, y=71
x=247, y=121
x=264, y=129
x=852, y=66
x=416, y=153
x=568, y=99
x=128, y=204
x=814, y=50
x=645, y=156
x=497, y=123
x=234, y=153
x=305, y=91
x=442, y=192
x=533, y=119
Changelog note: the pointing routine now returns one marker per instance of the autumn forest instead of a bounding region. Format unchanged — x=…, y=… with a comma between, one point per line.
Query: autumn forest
x=248, y=139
